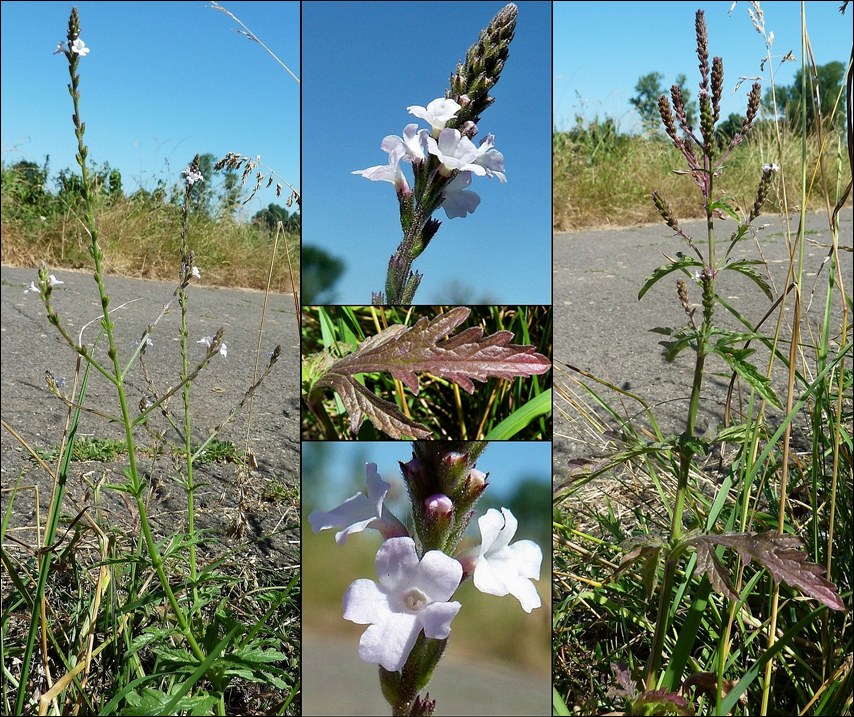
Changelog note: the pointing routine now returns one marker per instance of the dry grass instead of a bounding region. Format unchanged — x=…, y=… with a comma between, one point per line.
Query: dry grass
x=142, y=240
x=608, y=182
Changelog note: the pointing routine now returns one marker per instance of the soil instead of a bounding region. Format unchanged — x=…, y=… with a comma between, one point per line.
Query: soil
x=258, y=517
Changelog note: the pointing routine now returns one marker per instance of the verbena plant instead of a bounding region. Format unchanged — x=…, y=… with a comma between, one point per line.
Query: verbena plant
x=366, y=355
x=146, y=626
x=423, y=562
x=687, y=619
x=444, y=159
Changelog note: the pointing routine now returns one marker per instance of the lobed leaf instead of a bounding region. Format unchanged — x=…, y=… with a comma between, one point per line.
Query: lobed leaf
x=360, y=404
x=745, y=267
x=426, y=347
x=736, y=359
x=780, y=554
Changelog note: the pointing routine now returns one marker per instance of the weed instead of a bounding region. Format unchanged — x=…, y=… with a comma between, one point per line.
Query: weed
x=679, y=575
x=146, y=617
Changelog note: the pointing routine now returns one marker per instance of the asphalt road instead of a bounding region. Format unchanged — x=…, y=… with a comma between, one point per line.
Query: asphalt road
x=31, y=346
x=601, y=327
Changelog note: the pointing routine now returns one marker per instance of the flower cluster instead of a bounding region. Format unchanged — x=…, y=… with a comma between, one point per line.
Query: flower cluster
x=77, y=47
x=51, y=282
x=209, y=341
x=192, y=175
x=457, y=158
x=414, y=593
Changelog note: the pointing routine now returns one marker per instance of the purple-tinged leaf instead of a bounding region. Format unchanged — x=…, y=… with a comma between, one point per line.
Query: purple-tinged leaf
x=645, y=550
x=706, y=683
x=361, y=404
x=780, y=554
x=426, y=347
x=661, y=702
x=625, y=686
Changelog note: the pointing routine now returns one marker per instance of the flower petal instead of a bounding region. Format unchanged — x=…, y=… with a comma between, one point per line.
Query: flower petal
x=390, y=643
x=438, y=576
x=396, y=562
x=365, y=603
x=436, y=619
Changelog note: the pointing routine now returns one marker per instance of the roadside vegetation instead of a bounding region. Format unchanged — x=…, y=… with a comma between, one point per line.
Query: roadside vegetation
x=42, y=221
x=710, y=573
x=141, y=585
x=603, y=176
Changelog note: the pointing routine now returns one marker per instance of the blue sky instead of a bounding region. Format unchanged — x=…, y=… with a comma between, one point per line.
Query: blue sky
x=366, y=62
x=163, y=81
x=601, y=49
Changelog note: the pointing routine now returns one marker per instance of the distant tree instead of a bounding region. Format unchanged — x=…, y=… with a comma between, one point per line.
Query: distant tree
x=649, y=89
x=26, y=182
x=728, y=128
x=272, y=214
x=114, y=184
x=319, y=271
x=822, y=91
x=105, y=182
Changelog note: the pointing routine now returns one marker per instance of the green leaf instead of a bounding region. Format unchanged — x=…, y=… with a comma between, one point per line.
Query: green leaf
x=682, y=339
x=735, y=358
x=558, y=705
x=662, y=271
x=523, y=416
x=786, y=640
x=721, y=205
x=745, y=268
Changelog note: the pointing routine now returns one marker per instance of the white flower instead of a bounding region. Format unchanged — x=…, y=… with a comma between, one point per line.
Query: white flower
x=770, y=167
x=491, y=159
x=223, y=350
x=458, y=200
x=60, y=48
x=390, y=172
x=437, y=113
x=33, y=289
x=191, y=176
x=503, y=569
x=455, y=151
x=411, y=596
x=409, y=148
x=79, y=47
x=207, y=341
x=195, y=273
x=361, y=511
x=53, y=281
x=413, y=143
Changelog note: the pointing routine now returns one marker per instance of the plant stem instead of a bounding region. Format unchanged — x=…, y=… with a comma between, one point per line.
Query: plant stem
x=136, y=486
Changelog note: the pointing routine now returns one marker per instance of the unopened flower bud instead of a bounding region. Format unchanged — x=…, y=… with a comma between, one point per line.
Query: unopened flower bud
x=439, y=505
x=476, y=480
x=469, y=129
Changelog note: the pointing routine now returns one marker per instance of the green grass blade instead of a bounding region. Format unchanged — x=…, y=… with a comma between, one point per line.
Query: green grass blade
x=516, y=421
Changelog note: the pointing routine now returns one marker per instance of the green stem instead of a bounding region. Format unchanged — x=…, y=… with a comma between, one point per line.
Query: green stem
x=185, y=272
x=686, y=454
x=112, y=351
